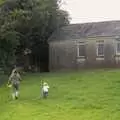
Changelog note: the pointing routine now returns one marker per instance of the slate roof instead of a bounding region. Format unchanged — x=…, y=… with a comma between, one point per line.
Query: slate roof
x=94, y=29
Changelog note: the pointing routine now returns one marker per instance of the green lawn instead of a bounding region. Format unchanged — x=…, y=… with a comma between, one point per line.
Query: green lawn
x=84, y=95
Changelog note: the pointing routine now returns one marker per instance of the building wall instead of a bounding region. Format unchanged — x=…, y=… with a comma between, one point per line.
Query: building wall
x=92, y=60
x=63, y=54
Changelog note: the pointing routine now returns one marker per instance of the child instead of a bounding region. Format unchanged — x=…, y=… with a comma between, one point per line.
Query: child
x=45, y=90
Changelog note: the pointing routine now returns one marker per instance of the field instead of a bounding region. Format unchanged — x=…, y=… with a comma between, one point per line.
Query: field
x=83, y=95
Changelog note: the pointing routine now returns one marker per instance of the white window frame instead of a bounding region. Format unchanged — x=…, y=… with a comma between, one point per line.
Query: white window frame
x=97, y=47
x=117, y=53
x=78, y=47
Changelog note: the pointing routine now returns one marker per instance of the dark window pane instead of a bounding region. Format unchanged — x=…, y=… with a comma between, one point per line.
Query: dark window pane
x=100, y=49
x=118, y=47
x=81, y=50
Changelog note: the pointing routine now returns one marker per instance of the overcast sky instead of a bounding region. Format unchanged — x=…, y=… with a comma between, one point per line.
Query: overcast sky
x=82, y=11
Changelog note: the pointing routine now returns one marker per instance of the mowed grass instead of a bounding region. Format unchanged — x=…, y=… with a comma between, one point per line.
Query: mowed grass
x=83, y=95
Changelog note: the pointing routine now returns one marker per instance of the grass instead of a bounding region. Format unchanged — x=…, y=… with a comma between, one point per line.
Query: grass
x=84, y=95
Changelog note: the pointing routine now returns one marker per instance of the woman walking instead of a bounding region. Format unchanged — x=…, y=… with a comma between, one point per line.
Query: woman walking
x=14, y=80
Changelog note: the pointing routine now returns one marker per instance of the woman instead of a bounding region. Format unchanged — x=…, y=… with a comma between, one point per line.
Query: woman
x=14, y=80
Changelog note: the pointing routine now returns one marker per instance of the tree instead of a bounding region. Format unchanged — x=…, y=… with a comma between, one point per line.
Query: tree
x=8, y=40
x=27, y=24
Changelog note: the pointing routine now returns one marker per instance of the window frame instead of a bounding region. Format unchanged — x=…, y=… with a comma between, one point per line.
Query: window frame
x=97, y=48
x=78, y=49
x=116, y=47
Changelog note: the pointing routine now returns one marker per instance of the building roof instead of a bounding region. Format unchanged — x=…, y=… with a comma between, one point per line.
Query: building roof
x=94, y=29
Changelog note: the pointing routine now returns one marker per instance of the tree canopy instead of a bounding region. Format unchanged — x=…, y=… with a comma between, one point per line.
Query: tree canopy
x=27, y=24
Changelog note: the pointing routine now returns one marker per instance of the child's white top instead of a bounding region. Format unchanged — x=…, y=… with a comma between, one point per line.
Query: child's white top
x=45, y=88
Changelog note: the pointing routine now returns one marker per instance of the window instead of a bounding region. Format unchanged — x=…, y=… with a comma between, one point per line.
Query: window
x=81, y=49
x=100, y=48
x=118, y=47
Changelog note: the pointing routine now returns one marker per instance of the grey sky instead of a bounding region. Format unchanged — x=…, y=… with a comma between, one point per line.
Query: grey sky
x=92, y=10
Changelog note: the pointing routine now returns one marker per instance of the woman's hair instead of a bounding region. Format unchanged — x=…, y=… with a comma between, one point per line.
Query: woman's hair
x=15, y=71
